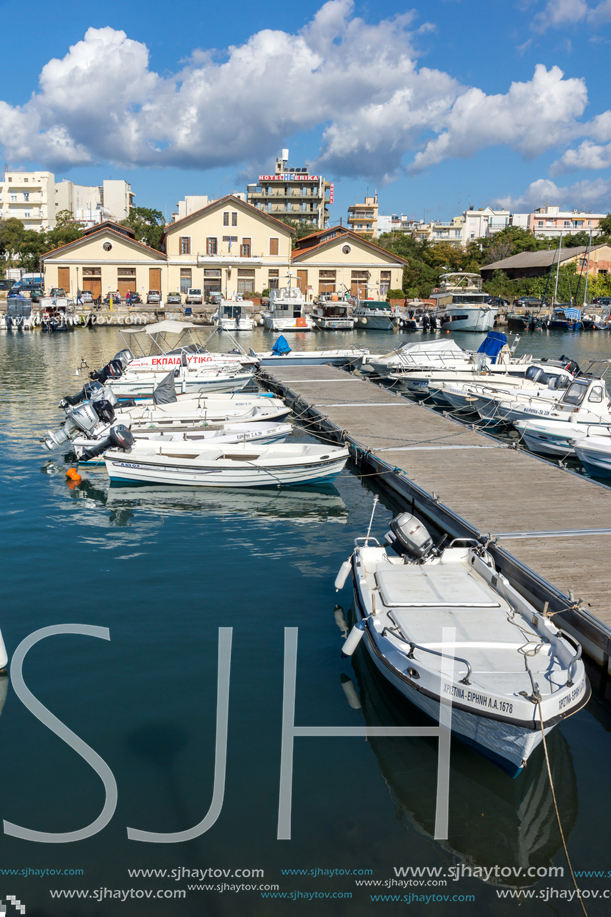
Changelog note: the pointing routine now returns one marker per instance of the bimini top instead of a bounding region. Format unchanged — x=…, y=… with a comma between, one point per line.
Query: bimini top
x=167, y=326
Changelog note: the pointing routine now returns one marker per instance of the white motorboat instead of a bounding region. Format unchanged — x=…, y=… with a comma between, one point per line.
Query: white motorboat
x=374, y=315
x=170, y=344
x=558, y=437
x=139, y=385
x=240, y=465
x=93, y=414
x=332, y=314
x=286, y=311
x=463, y=306
x=594, y=453
x=540, y=381
x=417, y=355
x=585, y=401
x=90, y=450
x=513, y=672
x=281, y=354
x=232, y=315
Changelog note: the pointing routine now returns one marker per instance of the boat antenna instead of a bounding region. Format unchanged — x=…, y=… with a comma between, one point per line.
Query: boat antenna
x=373, y=509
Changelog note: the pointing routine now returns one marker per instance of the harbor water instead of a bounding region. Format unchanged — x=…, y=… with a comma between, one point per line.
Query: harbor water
x=165, y=570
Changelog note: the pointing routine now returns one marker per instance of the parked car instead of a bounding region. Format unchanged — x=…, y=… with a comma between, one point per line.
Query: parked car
x=116, y=299
x=173, y=299
x=134, y=298
x=153, y=296
x=57, y=291
x=6, y=284
x=498, y=301
x=86, y=296
x=36, y=293
x=599, y=301
x=528, y=301
x=194, y=297
x=215, y=297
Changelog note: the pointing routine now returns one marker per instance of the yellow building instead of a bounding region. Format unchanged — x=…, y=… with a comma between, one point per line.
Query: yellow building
x=228, y=246
x=363, y=218
x=338, y=260
x=107, y=258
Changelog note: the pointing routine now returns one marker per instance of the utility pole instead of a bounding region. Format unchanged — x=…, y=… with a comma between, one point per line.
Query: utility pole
x=557, y=270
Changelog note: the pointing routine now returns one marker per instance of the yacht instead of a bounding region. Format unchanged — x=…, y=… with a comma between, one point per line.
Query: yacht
x=286, y=311
x=462, y=304
x=374, y=315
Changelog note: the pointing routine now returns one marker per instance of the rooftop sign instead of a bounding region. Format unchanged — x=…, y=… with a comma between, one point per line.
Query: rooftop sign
x=290, y=176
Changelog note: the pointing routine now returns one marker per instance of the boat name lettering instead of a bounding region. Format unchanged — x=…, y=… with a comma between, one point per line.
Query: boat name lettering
x=175, y=361
x=454, y=690
x=571, y=696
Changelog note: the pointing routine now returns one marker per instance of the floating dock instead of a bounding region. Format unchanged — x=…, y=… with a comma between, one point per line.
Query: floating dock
x=549, y=529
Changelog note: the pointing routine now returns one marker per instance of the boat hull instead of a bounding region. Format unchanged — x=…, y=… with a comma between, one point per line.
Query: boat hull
x=474, y=319
x=143, y=388
x=287, y=324
x=334, y=324
x=375, y=322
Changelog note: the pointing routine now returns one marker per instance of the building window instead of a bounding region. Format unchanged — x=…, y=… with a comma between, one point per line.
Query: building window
x=540, y=223
x=567, y=222
x=211, y=246
x=234, y=218
x=125, y=272
x=273, y=246
x=226, y=219
x=27, y=213
x=245, y=248
x=26, y=195
x=272, y=279
x=14, y=198
x=212, y=272
x=92, y=272
x=246, y=280
x=384, y=282
x=10, y=179
x=185, y=279
x=26, y=179
x=185, y=245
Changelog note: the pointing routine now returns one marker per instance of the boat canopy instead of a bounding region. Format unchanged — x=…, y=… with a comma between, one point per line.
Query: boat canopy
x=572, y=314
x=493, y=344
x=375, y=304
x=281, y=346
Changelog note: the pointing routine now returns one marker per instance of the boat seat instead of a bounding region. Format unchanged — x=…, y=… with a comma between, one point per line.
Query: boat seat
x=429, y=586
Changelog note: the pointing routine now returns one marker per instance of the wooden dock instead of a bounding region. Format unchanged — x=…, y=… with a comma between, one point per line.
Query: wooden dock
x=551, y=527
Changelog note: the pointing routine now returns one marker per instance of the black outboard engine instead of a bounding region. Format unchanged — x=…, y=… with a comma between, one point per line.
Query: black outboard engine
x=87, y=392
x=119, y=437
x=408, y=535
x=570, y=365
x=115, y=368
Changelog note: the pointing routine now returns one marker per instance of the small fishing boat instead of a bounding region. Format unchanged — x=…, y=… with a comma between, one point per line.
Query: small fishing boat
x=286, y=311
x=565, y=318
x=511, y=674
x=374, y=315
x=140, y=385
x=541, y=381
x=90, y=450
x=585, y=401
x=240, y=465
x=170, y=344
x=594, y=453
x=332, y=314
x=232, y=315
x=281, y=354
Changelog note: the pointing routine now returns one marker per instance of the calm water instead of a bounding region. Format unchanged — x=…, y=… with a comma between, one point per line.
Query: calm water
x=163, y=569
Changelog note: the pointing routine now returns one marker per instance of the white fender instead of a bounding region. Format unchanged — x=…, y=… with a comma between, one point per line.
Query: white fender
x=354, y=638
x=342, y=576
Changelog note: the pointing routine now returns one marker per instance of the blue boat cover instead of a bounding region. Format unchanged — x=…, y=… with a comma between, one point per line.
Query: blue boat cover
x=493, y=344
x=573, y=315
x=281, y=346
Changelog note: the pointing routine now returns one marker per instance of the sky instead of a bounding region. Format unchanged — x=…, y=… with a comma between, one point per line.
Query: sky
x=437, y=106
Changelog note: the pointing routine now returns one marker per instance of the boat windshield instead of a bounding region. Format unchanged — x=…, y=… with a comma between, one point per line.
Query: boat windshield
x=575, y=393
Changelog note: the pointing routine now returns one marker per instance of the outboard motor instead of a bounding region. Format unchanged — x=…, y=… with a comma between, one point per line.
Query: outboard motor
x=119, y=437
x=89, y=390
x=408, y=535
x=82, y=418
x=570, y=365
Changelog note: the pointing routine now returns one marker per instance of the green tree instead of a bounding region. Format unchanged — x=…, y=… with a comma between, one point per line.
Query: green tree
x=148, y=224
x=580, y=238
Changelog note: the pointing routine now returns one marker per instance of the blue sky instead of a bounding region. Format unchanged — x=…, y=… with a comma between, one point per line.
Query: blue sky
x=437, y=105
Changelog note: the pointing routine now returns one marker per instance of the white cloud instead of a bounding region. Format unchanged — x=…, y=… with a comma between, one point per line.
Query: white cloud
x=587, y=195
x=359, y=83
x=562, y=13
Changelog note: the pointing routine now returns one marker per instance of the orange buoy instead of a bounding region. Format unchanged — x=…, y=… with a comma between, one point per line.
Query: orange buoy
x=73, y=474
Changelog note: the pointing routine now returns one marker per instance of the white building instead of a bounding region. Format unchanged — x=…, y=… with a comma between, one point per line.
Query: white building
x=194, y=202
x=484, y=222
x=30, y=197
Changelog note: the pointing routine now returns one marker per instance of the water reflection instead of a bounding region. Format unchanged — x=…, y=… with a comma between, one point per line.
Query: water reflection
x=300, y=505
x=493, y=820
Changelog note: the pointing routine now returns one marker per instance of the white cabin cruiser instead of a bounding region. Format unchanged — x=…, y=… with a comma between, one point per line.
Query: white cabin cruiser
x=286, y=311
x=514, y=673
x=541, y=381
x=585, y=401
x=463, y=306
x=239, y=465
x=332, y=314
x=233, y=315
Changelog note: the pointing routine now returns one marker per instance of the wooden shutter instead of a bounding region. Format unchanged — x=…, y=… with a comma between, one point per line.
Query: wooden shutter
x=94, y=285
x=246, y=247
x=302, y=281
x=273, y=246
x=125, y=284
x=63, y=278
x=155, y=278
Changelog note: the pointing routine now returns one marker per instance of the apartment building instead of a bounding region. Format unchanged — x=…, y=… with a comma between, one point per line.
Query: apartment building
x=29, y=197
x=363, y=218
x=194, y=202
x=293, y=193
x=549, y=222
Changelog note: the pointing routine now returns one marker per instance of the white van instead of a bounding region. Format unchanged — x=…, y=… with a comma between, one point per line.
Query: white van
x=194, y=297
